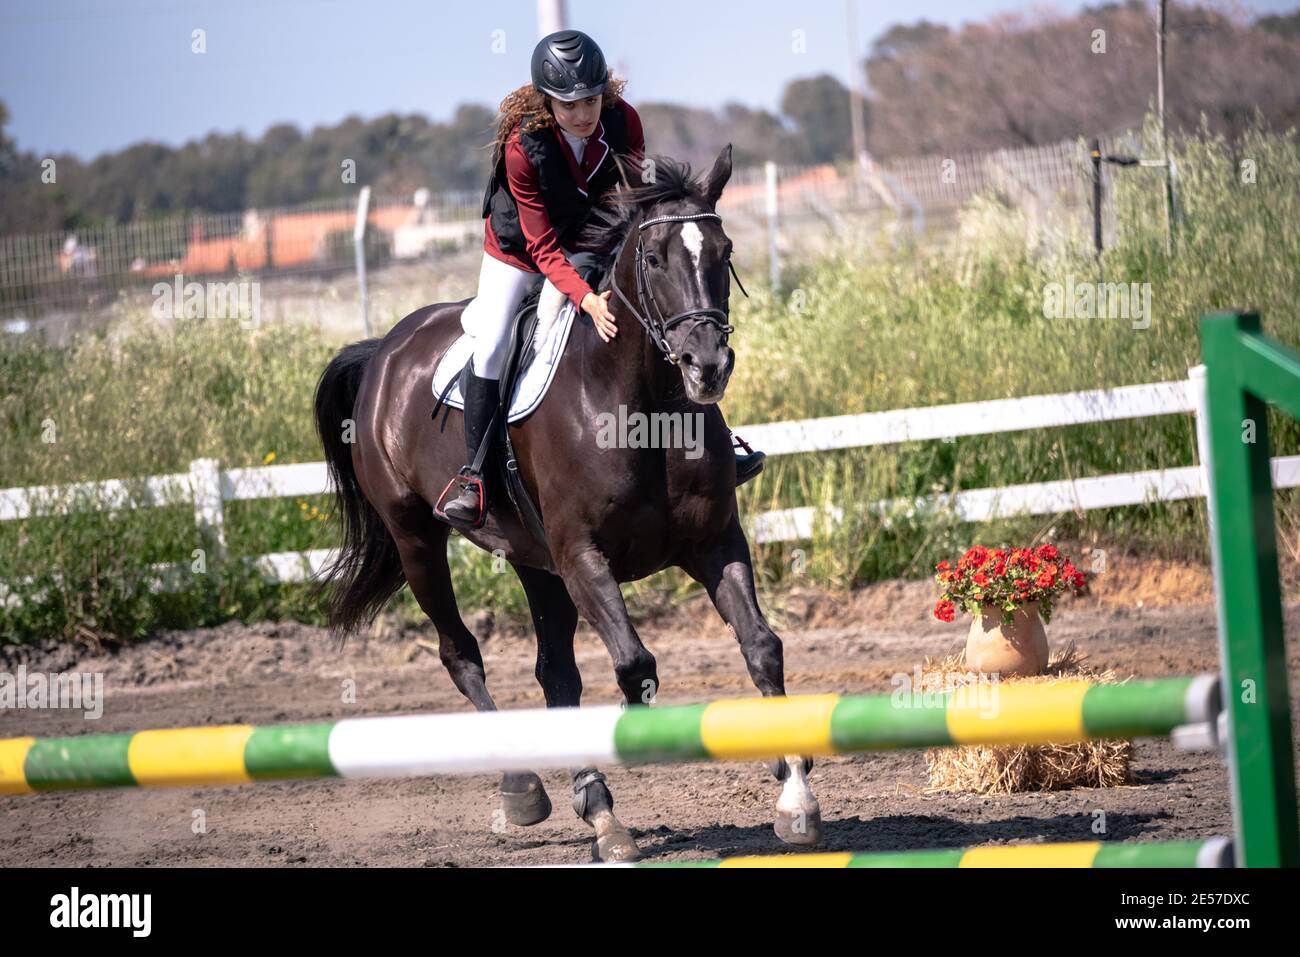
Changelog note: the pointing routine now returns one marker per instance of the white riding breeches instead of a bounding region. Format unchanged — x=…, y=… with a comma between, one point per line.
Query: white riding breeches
x=489, y=317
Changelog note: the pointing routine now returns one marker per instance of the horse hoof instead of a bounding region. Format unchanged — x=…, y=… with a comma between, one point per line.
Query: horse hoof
x=613, y=841
x=526, y=803
x=800, y=828
x=781, y=770
x=616, y=845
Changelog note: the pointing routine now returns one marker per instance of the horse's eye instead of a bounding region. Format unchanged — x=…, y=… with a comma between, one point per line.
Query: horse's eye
x=652, y=259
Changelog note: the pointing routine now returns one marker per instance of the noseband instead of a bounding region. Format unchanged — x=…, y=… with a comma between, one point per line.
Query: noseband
x=658, y=326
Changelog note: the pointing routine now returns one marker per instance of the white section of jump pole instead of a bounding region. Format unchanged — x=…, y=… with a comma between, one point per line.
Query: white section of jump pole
x=1204, y=451
x=474, y=743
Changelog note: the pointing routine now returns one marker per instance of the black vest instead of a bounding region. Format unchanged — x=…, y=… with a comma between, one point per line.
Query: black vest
x=567, y=208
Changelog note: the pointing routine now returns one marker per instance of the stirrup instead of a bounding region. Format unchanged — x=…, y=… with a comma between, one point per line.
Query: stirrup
x=465, y=477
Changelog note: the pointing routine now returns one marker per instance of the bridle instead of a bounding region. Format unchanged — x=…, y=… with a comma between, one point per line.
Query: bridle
x=659, y=327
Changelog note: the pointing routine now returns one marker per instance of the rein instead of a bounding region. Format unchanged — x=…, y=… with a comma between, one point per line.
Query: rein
x=659, y=327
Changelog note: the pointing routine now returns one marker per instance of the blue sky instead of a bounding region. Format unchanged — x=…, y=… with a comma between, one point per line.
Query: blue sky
x=85, y=76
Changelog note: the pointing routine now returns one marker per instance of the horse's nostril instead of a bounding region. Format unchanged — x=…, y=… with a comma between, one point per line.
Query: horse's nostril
x=688, y=358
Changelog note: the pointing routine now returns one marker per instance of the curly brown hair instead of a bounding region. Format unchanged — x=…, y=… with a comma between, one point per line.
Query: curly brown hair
x=531, y=108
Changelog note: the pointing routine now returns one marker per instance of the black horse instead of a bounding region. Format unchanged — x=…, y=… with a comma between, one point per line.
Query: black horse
x=611, y=514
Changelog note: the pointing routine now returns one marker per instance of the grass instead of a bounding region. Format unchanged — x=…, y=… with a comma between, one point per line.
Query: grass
x=862, y=328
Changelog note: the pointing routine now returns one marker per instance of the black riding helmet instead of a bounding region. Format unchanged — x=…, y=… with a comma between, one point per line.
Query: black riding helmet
x=569, y=66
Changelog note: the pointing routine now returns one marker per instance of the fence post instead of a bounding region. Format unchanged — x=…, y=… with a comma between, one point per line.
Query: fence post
x=1095, y=155
x=205, y=481
x=359, y=242
x=774, y=261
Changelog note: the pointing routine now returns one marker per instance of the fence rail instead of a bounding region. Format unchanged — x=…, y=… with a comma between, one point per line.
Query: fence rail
x=207, y=487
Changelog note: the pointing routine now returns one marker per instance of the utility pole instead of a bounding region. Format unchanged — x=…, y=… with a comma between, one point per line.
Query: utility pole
x=550, y=17
x=855, y=93
x=1164, y=143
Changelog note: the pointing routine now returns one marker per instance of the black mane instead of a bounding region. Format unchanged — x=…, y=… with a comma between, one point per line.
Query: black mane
x=612, y=216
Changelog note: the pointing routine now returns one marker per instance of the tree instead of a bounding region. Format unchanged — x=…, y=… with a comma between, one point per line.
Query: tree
x=1281, y=24
x=1023, y=81
x=819, y=108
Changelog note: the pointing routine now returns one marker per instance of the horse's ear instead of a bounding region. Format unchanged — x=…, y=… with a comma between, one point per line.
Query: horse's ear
x=718, y=176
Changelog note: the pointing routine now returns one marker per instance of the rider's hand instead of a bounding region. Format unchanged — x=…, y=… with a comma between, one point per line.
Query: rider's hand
x=596, y=305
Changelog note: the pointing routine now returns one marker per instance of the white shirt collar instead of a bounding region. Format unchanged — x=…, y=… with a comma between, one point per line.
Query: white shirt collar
x=576, y=143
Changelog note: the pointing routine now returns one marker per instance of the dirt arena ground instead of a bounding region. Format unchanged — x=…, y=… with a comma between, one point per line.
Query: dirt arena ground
x=289, y=672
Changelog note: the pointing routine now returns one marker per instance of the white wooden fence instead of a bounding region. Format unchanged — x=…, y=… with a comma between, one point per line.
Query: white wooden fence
x=208, y=487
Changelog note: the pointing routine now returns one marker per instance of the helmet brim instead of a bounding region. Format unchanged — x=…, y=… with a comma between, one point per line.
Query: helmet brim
x=575, y=95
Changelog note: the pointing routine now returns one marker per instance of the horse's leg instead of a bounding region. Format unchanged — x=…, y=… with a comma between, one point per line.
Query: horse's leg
x=424, y=559
x=724, y=568
x=588, y=578
x=555, y=619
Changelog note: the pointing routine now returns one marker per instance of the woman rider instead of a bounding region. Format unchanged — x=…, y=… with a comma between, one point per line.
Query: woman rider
x=553, y=157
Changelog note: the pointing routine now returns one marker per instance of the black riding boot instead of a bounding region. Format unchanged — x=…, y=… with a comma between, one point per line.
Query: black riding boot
x=749, y=464
x=482, y=398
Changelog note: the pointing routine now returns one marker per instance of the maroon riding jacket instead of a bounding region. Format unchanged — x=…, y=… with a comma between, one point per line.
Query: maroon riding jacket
x=544, y=254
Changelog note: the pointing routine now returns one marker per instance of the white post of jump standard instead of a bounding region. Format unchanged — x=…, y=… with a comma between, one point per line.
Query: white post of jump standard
x=359, y=244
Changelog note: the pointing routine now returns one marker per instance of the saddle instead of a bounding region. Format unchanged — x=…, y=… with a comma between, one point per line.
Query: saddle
x=497, y=453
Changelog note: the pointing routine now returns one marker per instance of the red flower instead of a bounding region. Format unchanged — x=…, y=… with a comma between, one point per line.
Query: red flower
x=1007, y=576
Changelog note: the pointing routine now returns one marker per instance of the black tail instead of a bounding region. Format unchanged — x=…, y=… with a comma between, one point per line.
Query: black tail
x=367, y=570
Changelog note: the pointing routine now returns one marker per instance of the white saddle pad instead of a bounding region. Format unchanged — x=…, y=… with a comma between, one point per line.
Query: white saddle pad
x=548, y=345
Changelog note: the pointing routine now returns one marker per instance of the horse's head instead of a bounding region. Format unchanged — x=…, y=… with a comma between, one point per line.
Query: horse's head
x=676, y=283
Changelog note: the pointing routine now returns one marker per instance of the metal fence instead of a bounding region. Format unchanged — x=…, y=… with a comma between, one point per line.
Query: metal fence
x=84, y=270
x=1054, y=174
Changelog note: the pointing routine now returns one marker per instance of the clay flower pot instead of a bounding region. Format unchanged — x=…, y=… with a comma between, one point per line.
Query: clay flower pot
x=1019, y=648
